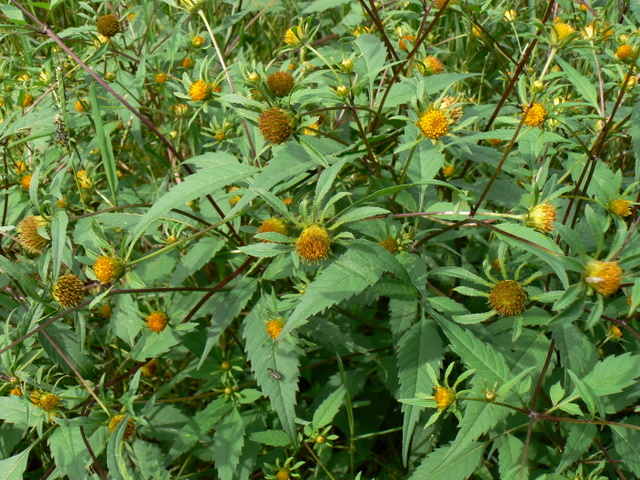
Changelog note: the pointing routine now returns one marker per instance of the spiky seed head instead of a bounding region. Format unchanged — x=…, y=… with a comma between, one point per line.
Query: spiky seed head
x=444, y=397
x=508, y=298
x=107, y=269
x=157, y=321
x=276, y=125
x=534, y=115
x=390, y=245
x=108, y=25
x=129, y=430
x=274, y=327
x=541, y=217
x=314, y=243
x=275, y=224
x=620, y=207
x=434, y=124
x=199, y=91
x=603, y=277
x=280, y=83
x=28, y=234
x=68, y=291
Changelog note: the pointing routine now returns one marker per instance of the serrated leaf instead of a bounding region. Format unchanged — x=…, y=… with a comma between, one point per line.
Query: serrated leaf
x=273, y=438
x=265, y=250
x=196, y=257
x=458, y=468
x=359, y=213
x=361, y=266
x=510, y=458
x=67, y=340
x=583, y=85
x=325, y=182
x=419, y=346
x=281, y=356
x=70, y=452
x=576, y=351
x=472, y=318
x=579, y=440
x=14, y=409
x=457, y=272
x=115, y=460
x=328, y=409
x=228, y=441
x=613, y=374
x=13, y=468
x=58, y=239
x=585, y=392
x=627, y=442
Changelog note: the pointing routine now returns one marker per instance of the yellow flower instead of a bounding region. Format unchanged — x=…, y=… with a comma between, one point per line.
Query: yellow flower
x=402, y=44
x=83, y=177
x=150, y=368
x=187, y=62
x=199, y=90
x=20, y=167
x=390, y=245
x=68, y=291
x=236, y=198
x=283, y=474
x=615, y=332
x=534, y=115
x=624, y=52
x=28, y=234
x=508, y=298
x=197, y=41
x=79, y=106
x=161, y=77
x=444, y=397
x=314, y=244
x=448, y=170
x=17, y=391
x=434, y=124
x=294, y=36
x=108, y=25
x=27, y=100
x=620, y=207
x=274, y=224
x=560, y=32
x=157, y=321
x=311, y=130
x=360, y=30
x=107, y=269
x=25, y=182
x=274, y=327
x=439, y=3
x=46, y=401
x=430, y=65
x=541, y=217
x=603, y=277
x=129, y=430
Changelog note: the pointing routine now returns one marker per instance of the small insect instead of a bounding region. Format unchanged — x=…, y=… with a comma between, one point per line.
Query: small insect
x=274, y=373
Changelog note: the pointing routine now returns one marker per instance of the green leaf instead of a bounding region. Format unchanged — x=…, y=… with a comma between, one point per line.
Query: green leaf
x=67, y=340
x=58, y=240
x=116, y=461
x=457, y=272
x=222, y=169
x=510, y=458
x=359, y=213
x=265, y=250
x=69, y=451
x=613, y=374
x=196, y=257
x=228, y=441
x=576, y=351
x=281, y=356
x=373, y=55
x=579, y=440
x=104, y=140
x=586, y=394
x=13, y=468
x=419, y=346
x=583, y=85
x=458, y=468
x=627, y=443
x=328, y=409
x=273, y=438
x=361, y=266
x=325, y=182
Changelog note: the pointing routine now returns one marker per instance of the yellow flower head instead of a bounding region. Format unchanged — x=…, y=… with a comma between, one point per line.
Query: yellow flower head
x=390, y=245
x=17, y=391
x=314, y=243
x=615, y=332
x=197, y=41
x=603, y=277
x=534, y=115
x=187, y=62
x=508, y=298
x=277, y=225
x=274, y=327
x=161, y=77
x=434, y=123
x=541, y=217
x=560, y=32
x=79, y=106
x=448, y=170
x=46, y=401
x=107, y=269
x=157, y=321
x=129, y=430
x=150, y=368
x=27, y=100
x=444, y=397
x=283, y=474
x=360, y=30
x=403, y=45
x=620, y=207
x=294, y=36
x=432, y=66
x=624, y=52
x=199, y=91
x=68, y=291
x=28, y=234
x=25, y=182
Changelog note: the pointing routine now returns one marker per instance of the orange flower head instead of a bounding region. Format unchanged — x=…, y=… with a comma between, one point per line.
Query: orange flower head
x=283, y=474
x=79, y=106
x=107, y=269
x=624, y=52
x=403, y=45
x=157, y=321
x=17, y=391
x=276, y=125
x=615, y=332
x=280, y=83
x=274, y=327
x=187, y=62
x=25, y=182
x=28, y=234
x=444, y=397
x=603, y=277
x=314, y=243
x=508, y=298
x=541, y=217
x=199, y=91
x=534, y=115
x=434, y=124
x=108, y=25
x=432, y=66
x=161, y=78
x=27, y=100
x=68, y=291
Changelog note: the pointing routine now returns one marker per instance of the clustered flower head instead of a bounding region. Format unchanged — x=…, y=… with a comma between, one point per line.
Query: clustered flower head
x=280, y=83
x=294, y=36
x=68, y=291
x=624, y=52
x=603, y=277
x=46, y=401
x=314, y=243
x=199, y=91
x=108, y=25
x=161, y=77
x=157, y=321
x=534, y=115
x=508, y=298
x=434, y=123
x=541, y=217
x=107, y=269
x=276, y=125
x=274, y=224
x=29, y=237
x=402, y=44
x=274, y=327
x=390, y=244
x=444, y=397
x=620, y=207
x=561, y=32
x=430, y=65
x=129, y=430
x=25, y=182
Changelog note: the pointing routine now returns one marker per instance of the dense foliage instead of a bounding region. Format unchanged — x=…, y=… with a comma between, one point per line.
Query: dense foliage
x=319, y=239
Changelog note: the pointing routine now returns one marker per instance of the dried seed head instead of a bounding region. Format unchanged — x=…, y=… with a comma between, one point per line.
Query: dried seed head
x=157, y=321
x=108, y=25
x=68, y=291
x=150, y=368
x=541, y=217
x=107, y=269
x=314, y=243
x=280, y=83
x=444, y=397
x=508, y=298
x=603, y=277
x=276, y=125
x=274, y=327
